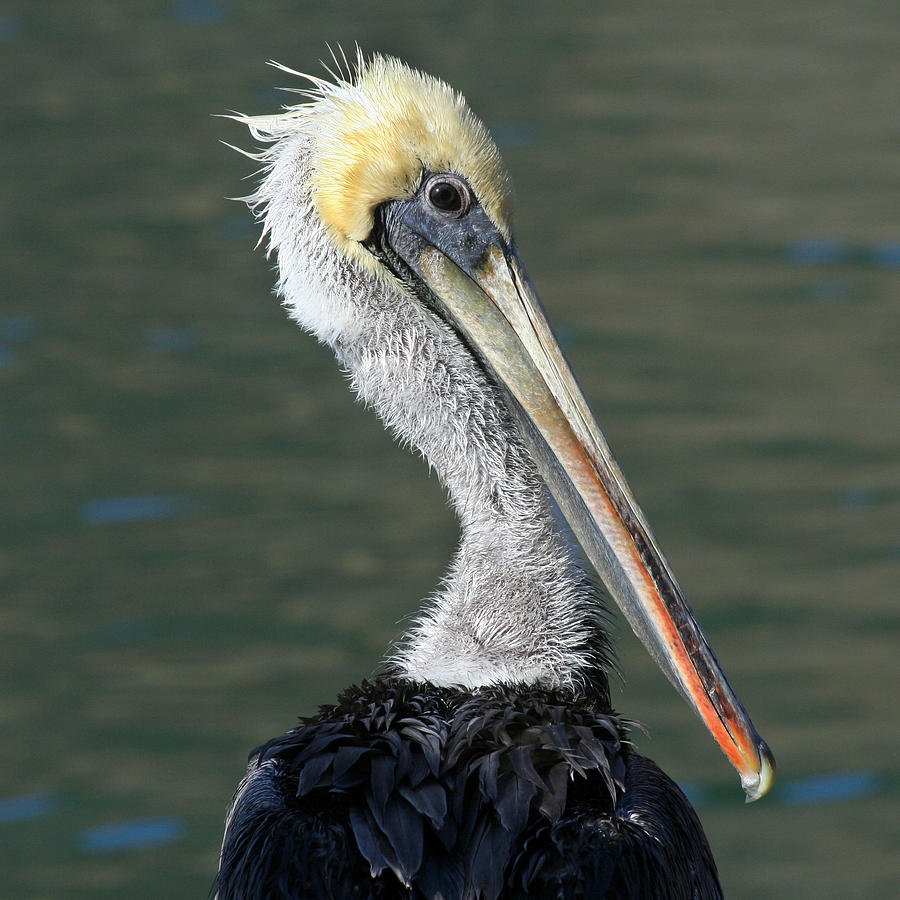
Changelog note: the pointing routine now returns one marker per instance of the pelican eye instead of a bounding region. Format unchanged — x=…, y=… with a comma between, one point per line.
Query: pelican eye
x=449, y=195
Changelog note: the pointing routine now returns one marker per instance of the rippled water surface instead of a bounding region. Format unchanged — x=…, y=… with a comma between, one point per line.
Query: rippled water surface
x=202, y=536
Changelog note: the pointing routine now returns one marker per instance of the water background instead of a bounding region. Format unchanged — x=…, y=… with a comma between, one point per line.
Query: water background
x=202, y=536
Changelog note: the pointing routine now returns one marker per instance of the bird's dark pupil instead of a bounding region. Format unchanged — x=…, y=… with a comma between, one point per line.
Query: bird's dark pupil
x=445, y=196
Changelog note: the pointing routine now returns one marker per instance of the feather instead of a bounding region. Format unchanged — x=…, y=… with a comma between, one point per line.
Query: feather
x=429, y=799
x=311, y=774
x=383, y=771
x=342, y=769
x=514, y=802
x=487, y=857
x=523, y=765
x=371, y=842
x=404, y=828
x=488, y=769
x=554, y=801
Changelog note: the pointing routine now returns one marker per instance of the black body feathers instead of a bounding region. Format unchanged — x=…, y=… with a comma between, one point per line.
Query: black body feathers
x=411, y=791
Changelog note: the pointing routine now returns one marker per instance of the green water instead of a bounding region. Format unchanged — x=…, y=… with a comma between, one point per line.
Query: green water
x=709, y=202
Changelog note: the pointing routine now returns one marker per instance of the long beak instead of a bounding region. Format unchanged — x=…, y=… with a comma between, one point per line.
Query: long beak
x=495, y=306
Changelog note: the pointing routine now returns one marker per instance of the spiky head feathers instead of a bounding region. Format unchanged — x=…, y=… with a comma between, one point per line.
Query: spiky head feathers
x=375, y=132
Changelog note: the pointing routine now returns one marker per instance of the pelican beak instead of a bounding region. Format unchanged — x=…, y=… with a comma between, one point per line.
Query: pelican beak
x=481, y=289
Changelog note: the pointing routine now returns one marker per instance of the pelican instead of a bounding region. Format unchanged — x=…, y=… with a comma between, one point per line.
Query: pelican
x=485, y=761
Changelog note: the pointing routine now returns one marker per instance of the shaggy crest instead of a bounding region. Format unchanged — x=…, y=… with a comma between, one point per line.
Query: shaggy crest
x=374, y=132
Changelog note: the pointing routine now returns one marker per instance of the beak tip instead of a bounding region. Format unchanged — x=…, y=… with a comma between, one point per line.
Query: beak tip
x=758, y=782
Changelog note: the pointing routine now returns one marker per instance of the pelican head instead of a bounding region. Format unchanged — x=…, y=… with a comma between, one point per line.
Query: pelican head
x=389, y=209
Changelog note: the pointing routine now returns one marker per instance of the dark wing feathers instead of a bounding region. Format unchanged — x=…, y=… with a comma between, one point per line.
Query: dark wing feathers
x=412, y=791
x=275, y=850
x=652, y=848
